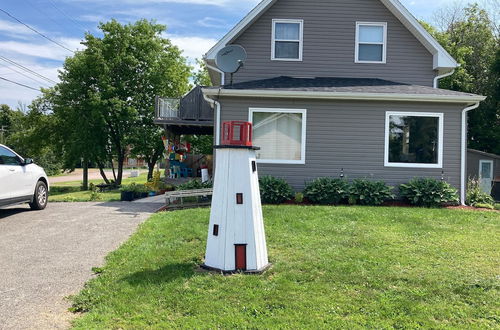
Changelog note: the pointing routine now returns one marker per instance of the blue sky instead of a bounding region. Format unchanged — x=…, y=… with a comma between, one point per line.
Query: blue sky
x=193, y=25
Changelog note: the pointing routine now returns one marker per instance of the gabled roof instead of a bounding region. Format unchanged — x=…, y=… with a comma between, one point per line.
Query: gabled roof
x=341, y=88
x=443, y=61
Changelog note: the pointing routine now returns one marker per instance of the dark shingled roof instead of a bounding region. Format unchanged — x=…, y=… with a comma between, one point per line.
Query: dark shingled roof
x=341, y=85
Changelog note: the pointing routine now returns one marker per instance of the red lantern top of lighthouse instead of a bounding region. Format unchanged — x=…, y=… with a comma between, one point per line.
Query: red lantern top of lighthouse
x=237, y=133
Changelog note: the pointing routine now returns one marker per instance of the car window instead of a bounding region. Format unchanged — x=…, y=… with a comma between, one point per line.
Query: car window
x=7, y=157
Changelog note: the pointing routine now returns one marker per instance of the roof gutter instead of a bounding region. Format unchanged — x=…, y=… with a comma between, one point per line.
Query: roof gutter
x=438, y=77
x=216, y=105
x=464, y=152
x=344, y=96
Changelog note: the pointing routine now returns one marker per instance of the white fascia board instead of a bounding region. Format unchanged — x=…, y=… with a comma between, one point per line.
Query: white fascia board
x=239, y=28
x=443, y=61
x=344, y=95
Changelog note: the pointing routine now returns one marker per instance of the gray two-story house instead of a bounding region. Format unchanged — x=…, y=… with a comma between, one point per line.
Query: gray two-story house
x=336, y=87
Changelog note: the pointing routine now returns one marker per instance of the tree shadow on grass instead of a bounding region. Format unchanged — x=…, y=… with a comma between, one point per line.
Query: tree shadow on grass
x=165, y=274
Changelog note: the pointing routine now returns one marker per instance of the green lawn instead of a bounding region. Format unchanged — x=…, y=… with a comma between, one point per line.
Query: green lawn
x=70, y=191
x=333, y=267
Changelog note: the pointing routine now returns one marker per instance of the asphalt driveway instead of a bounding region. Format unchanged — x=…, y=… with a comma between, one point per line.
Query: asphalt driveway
x=46, y=256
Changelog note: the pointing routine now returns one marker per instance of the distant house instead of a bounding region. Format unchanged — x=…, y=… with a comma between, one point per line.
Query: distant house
x=346, y=87
x=484, y=167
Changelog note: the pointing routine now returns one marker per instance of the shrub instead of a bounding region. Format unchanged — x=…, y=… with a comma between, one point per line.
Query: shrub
x=274, y=190
x=94, y=193
x=497, y=206
x=428, y=192
x=327, y=191
x=366, y=192
x=485, y=206
x=475, y=195
x=129, y=188
x=299, y=198
x=194, y=184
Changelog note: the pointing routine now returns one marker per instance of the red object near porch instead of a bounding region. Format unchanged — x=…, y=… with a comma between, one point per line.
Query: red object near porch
x=237, y=133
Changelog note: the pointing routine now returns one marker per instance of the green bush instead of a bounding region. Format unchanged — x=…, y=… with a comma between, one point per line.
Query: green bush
x=366, y=192
x=428, y=192
x=485, y=206
x=129, y=188
x=327, y=191
x=497, y=206
x=475, y=195
x=299, y=198
x=274, y=190
x=194, y=184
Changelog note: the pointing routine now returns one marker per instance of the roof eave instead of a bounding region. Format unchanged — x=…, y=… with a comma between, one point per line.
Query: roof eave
x=344, y=95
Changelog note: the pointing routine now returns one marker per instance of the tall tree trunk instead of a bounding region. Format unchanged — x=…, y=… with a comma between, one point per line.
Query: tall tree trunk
x=85, y=174
x=103, y=174
x=151, y=169
x=121, y=158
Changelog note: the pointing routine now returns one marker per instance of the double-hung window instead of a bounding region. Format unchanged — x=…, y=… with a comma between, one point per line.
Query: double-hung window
x=371, y=42
x=280, y=133
x=414, y=139
x=287, y=39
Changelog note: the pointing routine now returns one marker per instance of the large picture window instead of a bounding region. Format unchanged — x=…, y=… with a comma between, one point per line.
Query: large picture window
x=281, y=135
x=287, y=40
x=414, y=139
x=371, y=42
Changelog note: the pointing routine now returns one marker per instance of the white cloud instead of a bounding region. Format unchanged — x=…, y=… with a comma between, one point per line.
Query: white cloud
x=46, y=50
x=12, y=94
x=193, y=47
x=12, y=28
x=212, y=22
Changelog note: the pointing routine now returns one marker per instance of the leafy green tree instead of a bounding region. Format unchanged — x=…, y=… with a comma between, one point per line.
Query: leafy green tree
x=201, y=76
x=10, y=120
x=470, y=37
x=107, y=92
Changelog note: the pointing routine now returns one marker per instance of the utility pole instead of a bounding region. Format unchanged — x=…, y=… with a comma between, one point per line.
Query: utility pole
x=3, y=129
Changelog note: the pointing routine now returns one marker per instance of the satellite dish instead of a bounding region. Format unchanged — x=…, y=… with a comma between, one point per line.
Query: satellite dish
x=231, y=58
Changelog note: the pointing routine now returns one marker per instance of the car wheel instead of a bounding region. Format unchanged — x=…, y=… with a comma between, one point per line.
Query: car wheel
x=40, y=197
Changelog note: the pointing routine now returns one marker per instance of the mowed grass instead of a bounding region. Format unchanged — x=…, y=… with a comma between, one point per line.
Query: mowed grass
x=333, y=267
x=70, y=191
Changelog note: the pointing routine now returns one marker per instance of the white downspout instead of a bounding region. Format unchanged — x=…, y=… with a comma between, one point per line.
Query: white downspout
x=222, y=74
x=463, y=177
x=437, y=78
x=217, y=117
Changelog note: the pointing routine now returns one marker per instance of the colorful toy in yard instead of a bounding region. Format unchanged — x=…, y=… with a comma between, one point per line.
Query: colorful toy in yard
x=236, y=237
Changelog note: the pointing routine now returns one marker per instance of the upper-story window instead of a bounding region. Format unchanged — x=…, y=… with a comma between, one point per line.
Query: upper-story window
x=287, y=39
x=371, y=42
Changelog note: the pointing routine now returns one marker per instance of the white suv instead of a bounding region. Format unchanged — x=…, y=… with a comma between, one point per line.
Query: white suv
x=21, y=181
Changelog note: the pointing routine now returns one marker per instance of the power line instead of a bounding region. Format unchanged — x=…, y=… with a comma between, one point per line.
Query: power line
x=23, y=74
x=27, y=69
x=23, y=85
x=34, y=30
x=67, y=16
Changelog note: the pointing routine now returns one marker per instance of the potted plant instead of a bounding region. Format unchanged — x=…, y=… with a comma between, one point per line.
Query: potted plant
x=128, y=192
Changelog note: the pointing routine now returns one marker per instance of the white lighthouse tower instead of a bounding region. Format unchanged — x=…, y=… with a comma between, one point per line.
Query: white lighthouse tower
x=236, y=238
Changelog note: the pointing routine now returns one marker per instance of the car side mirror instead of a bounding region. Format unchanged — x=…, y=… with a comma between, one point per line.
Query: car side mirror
x=28, y=161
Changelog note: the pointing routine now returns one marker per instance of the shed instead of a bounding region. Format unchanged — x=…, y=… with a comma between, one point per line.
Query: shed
x=485, y=167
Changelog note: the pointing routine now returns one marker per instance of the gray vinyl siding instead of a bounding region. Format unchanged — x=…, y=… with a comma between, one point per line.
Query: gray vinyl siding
x=350, y=135
x=473, y=159
x=329, y=43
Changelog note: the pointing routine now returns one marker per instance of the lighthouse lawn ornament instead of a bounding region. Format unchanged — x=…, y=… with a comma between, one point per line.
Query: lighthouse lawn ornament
x=236, y=238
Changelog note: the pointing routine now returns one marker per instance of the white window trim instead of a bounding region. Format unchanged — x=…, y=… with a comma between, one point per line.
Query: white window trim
x=301, y=39
x=384, y=43
x=414, y=114
x=481, y=162
x=303, y=112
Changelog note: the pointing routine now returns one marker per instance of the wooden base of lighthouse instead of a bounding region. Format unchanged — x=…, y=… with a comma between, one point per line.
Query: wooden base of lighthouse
x=236, y=237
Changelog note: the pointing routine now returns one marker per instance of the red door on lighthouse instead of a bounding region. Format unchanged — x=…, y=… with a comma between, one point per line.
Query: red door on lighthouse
x=241, y=256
